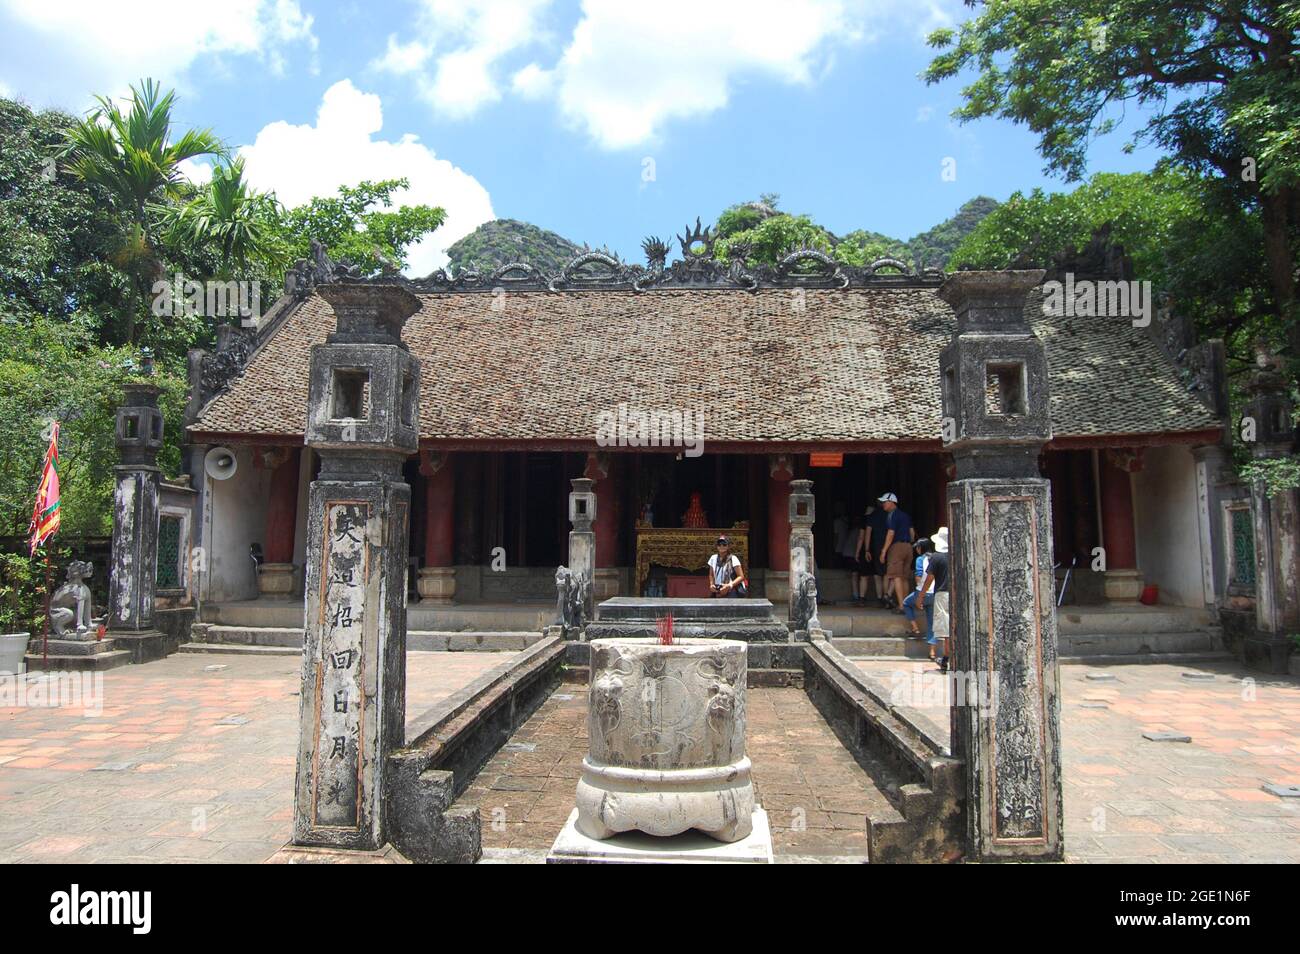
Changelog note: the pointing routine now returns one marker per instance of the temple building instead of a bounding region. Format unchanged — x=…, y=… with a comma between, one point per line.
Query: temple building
x=692, y=393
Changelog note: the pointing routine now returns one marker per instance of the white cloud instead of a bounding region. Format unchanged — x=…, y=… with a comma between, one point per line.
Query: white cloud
x=457, y=57
x=74, y=48
x=924, y=114
x=628, y=68
x=402, y=58
x=532, y=82
x=197, y=172
x=301, y=162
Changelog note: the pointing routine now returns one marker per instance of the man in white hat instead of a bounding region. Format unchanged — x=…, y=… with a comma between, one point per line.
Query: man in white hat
x=936, y=575
x=896, y=553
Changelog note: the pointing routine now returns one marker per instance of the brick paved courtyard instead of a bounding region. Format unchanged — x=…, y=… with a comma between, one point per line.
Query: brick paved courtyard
x=191, y=759
x=192, y=763
x=1129, y=799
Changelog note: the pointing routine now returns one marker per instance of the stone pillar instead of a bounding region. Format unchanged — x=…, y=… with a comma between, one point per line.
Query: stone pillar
x=1116, y=467
x=275, y=577
x=1006, y=730
x=1276, y=520
x=602, y=471
x=362, y=419
x=780, y=470
x=138, y=435
x=575, y=604
x=803, y=561
x=1212, y=460
x=437, y=582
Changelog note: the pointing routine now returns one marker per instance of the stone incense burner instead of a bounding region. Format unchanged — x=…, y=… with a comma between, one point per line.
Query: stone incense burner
x=667, y=740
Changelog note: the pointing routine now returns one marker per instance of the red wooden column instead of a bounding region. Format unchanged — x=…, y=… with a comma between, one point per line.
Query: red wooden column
x=1116, y=467
x=602, y=469
x=275, y=577
x=437, y=578
x=780, y=471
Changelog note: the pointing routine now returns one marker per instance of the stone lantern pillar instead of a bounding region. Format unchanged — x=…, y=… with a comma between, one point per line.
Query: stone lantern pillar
x=575, y=600
x=139, y=437
x=362, y=419
x=803, y=564
x=1006, y=729
x=1276, y=520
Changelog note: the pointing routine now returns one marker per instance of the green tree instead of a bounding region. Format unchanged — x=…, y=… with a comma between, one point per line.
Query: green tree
x=135, y=158
x=360, y=226
x=769, y=239
x=52, y=369
x=1222, y=79
x=58, y=231
x=241, y=224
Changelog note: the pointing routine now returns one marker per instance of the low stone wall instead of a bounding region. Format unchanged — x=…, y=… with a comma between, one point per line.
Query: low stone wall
x=924, y=784
x=446, y=747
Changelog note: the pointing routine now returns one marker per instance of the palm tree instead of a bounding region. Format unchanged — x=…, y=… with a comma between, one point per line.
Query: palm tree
x=133, y=156
x=238, y=221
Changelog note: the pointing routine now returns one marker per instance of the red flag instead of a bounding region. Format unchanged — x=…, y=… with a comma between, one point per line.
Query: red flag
x=45, y=517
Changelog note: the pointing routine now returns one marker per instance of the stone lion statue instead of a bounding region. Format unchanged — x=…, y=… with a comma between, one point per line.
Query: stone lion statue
x=71, y=605
x=571, y=590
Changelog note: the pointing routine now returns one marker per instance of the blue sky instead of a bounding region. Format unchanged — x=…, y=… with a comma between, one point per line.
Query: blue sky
x=603, y=120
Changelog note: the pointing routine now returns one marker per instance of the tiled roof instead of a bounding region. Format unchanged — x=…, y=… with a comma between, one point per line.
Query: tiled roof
x=778, y=365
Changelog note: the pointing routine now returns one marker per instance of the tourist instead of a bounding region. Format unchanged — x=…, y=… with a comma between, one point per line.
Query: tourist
x=896, y=551
x=871, y=528
x=936, y=573
x=726, y=575
x=909, y=605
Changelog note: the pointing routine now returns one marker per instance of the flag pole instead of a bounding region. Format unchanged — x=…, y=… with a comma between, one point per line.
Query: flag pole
x=45, y=639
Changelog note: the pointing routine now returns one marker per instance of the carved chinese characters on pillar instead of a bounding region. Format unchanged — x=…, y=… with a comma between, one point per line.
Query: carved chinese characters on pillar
x=339, y=680
x=1015, y=661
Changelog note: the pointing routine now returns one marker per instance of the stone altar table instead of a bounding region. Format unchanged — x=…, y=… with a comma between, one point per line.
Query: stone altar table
x=748, y=620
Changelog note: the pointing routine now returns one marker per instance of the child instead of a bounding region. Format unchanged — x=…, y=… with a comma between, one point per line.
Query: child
x=919, y=566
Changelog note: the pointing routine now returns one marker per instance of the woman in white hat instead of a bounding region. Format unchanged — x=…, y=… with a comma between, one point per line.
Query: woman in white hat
x=936, y=574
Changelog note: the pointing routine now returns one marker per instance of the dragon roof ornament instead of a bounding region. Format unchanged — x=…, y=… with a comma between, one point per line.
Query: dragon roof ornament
x=696, y=269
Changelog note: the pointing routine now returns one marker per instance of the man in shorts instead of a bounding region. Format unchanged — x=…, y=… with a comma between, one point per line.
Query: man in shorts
x=871, y=573
x=896, y=551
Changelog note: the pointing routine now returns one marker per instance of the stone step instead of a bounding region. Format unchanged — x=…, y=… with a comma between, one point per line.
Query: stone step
x=419, y=640
x=92, y=662
x=72, y=647
x=1157, y=658
x=238, y=649
x=1134, y=618
x=250, y=635
x=882, y=646
x=1139, y=644
x=469, y=617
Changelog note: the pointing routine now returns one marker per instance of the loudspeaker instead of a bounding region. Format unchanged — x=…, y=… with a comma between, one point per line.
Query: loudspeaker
x=220, y=463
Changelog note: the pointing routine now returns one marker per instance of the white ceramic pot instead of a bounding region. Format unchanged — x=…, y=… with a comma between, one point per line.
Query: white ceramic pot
x=12, y=648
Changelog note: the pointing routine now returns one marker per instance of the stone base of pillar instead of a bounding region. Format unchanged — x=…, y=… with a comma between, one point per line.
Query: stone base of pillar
x=1123, y=586
x=275, y=580
x=146, y=645
x=606, y=584
x=776, y=586
x=436, y=585
x=1266, y=652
